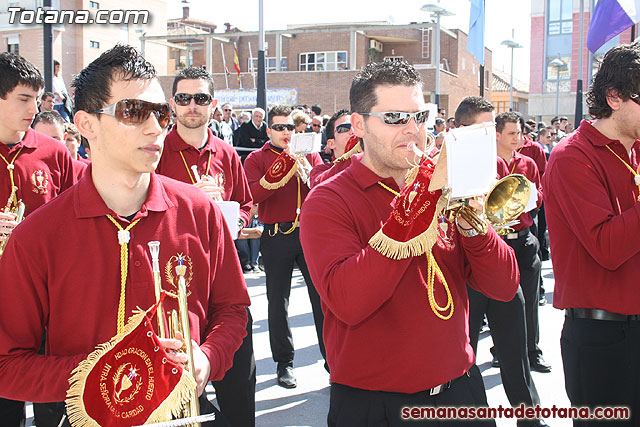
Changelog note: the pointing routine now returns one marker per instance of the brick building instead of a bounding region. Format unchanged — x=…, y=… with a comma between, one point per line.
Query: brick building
x=76, y=45
x=501, y=91
x=319, y=61
x=555, y=34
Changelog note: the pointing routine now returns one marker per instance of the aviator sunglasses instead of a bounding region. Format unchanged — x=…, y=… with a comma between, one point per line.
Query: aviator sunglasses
x=343, y=128
x=184, y=99
x=137, y=111
x=400, y=118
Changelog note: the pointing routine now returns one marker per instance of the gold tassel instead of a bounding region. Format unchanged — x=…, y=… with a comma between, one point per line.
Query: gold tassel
x=416, y=246
x=355, y=150
x=78, y=416
x=275, y=185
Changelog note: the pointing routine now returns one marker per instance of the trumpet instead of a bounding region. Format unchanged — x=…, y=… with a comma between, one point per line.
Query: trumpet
x=504, y=202
x=178, y=322
x=17, y=209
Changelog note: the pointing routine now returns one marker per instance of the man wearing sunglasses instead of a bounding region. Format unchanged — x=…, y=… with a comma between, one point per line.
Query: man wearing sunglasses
x=107, y=220
x=26, y=155
x=386, y=343
x=280, y=194
x=338, y=135
x=593, y=215
x=193, y=155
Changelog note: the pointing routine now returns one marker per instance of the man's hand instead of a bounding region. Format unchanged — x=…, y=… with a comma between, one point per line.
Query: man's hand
x=201, y=363
x=7, y=224
x=477, y=206
x=211, y=189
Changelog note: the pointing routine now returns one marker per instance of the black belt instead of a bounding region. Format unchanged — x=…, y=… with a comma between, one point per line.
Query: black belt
x=516, y=234
x=596, y=314
x=281, y=225
x=446, y=386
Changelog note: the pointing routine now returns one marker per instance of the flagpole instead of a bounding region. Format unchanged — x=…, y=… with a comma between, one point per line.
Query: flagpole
x=482, y=67
x=579, y=113
x=252, y=69
x=224, y=64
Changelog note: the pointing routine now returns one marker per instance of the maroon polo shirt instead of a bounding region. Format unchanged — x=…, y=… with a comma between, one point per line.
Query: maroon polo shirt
x=325, y=171
x=61, y=271
x=42, y=170
x=523, y=165
x=379, y=330
x=225, y=167
x=78, y=168
x=277, y=205
x=534, y=151
x=503, y=169
x=593, y=217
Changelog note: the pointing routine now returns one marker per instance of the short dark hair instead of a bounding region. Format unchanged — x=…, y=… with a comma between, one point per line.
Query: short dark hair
x=506, y=117
x=619, y=74
x=469, y=108
x=450, y=119
x=362, y=95
x=48, y=117
x=93, y=84
x=193, y=73
x=563, y=118
x=15, y=70
x=55, y=62
x=554, y=120
x=317, y=110
x=542, y=131
x=331, y=128
x=278, y=110
x=46, y=95
x=439, y=121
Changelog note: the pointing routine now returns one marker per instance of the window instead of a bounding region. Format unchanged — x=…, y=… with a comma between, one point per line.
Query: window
x=94, y=5
x=94, y=44
x=323, y=61
x=270, y=63
x=558, y=75
x=13, y=48
x=560, y=17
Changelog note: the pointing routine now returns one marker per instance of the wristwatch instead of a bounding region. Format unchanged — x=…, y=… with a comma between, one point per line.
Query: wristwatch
x=467, y=233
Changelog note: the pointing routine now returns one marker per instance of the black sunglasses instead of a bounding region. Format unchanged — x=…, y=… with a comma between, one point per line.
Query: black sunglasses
x=400, y=118
x=343, y=128
x=184, y=99
x=280, y=127
x=136, y=111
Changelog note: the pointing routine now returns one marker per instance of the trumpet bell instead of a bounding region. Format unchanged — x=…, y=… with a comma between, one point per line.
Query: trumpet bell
x=507, y=200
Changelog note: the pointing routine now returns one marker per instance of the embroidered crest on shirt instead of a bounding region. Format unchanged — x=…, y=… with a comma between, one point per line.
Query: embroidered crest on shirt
x=170, y=269
x=40, y=180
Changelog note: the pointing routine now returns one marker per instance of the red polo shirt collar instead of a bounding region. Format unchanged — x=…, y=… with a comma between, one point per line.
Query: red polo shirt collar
x=595, y=137
x=366, y=178
x=91, y=205
x=174, y=142
x=29, y=141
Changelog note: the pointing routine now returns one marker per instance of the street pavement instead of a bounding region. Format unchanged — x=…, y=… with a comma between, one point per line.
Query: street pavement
x=307, y=405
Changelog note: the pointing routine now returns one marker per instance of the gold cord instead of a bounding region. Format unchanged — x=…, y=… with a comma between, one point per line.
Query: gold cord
x=391, y=190
x=635, y=174
x=11, y=167
x=124, y=265
x=193, y=180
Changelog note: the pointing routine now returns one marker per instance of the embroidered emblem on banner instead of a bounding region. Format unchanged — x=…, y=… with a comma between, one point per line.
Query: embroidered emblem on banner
x=170, y=268
x=40, y=180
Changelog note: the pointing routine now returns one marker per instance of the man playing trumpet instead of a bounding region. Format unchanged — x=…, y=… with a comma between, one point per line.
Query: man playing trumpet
x=107, y=220
x=393, y=290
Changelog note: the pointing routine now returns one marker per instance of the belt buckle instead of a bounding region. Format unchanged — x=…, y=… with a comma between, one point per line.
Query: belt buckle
x=436, y=390
x=512, y=236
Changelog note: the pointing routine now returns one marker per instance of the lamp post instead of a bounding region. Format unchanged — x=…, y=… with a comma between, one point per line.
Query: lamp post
x=558, y=64
x=437, y=11
x=512, y=45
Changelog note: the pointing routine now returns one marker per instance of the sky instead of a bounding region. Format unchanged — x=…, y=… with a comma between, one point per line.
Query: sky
x=502, y=16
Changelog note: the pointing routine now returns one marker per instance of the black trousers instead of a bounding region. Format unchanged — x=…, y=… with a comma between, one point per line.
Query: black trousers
x=539, y=229
x=601, y=366
x=353, y=407
x=509, y=333
x=12, y=413
x=526, y=250
x=236, y=392
x=280, y=254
